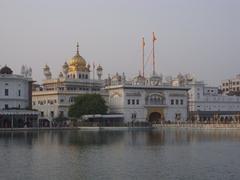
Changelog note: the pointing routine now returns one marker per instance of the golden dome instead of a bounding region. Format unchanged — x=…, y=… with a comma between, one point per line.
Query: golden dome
x=77, y=62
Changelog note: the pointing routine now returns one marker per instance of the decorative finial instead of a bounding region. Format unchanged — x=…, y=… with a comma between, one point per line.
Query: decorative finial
x=77, y=48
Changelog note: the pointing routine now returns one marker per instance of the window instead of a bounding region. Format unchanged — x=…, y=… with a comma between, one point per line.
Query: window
x=133, y=101
x=177, y=116
x=86, y=76
x=137, y=101
x=61, y=100
x=172, y=102
x=176, y=101
x=19, y=92
x=181, y=101
x=79, y=76
x=61, y=114
x=70, y=99
x=52, y=114
x=128, y=101
x=6, y=92
x=19, y=106
x=6, y=106
x=134, y=116
x=42, y=113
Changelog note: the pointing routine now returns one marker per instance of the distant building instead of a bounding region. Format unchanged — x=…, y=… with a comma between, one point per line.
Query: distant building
x=206, y=102
x=16, y=99
x=146, y=99
x=54, y=96
x=231, y=86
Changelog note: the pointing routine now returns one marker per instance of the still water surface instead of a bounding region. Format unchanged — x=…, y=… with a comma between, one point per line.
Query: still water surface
x=140, y=154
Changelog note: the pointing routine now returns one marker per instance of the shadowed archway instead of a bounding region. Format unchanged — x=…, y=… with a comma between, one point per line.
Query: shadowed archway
x=155, y=117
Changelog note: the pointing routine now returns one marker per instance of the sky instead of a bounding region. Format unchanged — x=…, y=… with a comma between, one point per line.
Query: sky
x=197, y=37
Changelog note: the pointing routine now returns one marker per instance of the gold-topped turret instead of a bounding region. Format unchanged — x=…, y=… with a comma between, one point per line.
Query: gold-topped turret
x=77, y=62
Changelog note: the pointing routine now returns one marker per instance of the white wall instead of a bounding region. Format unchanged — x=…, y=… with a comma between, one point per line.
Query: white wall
x=14, y=83
x=211, y=101
x=119, y=103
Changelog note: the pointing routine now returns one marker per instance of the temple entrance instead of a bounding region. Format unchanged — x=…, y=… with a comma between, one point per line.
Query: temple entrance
x=155, y=117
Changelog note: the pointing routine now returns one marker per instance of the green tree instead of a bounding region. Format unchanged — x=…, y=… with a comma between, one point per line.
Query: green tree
x=87, y=104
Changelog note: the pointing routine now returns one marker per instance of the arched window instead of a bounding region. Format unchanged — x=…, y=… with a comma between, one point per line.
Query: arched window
x=155, y=99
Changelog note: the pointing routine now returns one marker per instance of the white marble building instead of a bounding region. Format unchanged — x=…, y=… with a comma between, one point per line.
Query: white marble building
x=16, y=90
x=16, y=98
x=205, y=102
x=146, y=99
x=54, y=96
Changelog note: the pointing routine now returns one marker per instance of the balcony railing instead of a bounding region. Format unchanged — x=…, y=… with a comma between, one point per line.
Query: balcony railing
x=155, y=103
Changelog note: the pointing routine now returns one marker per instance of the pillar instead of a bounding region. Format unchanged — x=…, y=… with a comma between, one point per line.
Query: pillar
x=12, y=121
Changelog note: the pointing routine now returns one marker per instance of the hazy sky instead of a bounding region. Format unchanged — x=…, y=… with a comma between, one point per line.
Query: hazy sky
x=193, y=36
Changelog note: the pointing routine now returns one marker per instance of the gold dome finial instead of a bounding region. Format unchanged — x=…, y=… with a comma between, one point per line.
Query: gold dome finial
x=77, y=62
x=77, y=48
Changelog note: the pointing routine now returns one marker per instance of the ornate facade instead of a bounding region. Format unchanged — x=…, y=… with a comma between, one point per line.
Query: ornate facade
x=146, y=99
x=55, y=95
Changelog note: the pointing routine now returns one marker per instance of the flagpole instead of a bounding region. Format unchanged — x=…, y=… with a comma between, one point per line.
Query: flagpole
x=143, y=45
x=153, y=54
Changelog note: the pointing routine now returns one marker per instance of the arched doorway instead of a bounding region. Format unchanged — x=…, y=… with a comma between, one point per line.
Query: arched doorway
x=155, y=117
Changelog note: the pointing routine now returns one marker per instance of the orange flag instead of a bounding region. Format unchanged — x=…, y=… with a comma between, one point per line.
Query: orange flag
x=154, y=37
x=143, y=42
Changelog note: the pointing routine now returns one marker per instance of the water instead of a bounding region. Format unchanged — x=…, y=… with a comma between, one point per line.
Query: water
x=140, y=154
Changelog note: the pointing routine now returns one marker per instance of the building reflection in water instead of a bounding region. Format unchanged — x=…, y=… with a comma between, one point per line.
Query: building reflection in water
x=75, y=154
x=131, y=137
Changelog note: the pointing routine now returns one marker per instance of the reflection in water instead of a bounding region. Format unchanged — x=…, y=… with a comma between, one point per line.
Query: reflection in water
x=136, y=137
x=143, y=154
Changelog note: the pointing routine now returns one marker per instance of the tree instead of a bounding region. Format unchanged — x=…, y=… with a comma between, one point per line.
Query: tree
x=87, y=104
